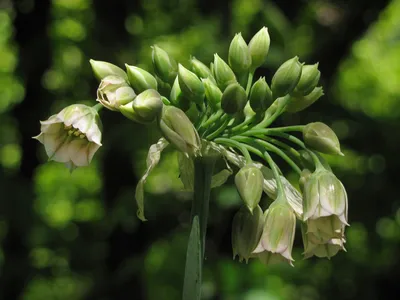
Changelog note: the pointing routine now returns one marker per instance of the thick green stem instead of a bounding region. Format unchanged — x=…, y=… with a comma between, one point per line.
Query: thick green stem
x=203, y=171
x=98, y=106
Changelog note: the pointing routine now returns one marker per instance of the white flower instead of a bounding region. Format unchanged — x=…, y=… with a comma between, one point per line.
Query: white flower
x=72, y=136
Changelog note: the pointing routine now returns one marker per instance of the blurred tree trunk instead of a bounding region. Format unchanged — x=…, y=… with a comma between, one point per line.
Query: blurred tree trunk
x=31, y=26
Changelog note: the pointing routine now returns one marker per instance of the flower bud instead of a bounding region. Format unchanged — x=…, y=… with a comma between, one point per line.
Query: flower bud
x=249, y=182
x=191, y=85
x=200, y=69
x=140, y=79
x=213, y=93
x=308, y=81
x=279, y=229
x=72, y=136
x=223, y=74
x=114, y=91
x=286, y=77
x=260, y=95
x=324, y=195
x=320, y=137
x=177, y=98
x=128, y=111
x=179, y=130
x=148, y=105
x=259, y=47
x=299, y=103
x=246, y=232
x=103, y=69
x=233, y=99
x=239, y=57
x=164, y=65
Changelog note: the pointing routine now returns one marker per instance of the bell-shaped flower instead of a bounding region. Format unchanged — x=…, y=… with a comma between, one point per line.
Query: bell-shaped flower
x=72, y=136
x=279, y=229
x=324, y=196
x=246, y=232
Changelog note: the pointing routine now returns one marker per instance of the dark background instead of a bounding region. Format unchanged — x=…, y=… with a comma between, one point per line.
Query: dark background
x=76, y=236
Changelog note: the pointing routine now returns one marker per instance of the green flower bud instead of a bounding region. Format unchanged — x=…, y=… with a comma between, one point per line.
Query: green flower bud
x=286, y=77
x=259, y=47
x=177, y=98
x=249, y=183
x=114, y=91
x=103, y=69
x=140, y=79
x=324, y=195
x=299, y=103
x=233, y=99
x=128, y=111
x=239, y=57
x=279, y=229
x=191, y=85
x=320, y=137
x=148, y=105
x=260, y=95
x=246, y=232
x=164, y=65
x=223, y=74
x=200, y=69
x=308, y=81
x=179, y=130
x=213, y=93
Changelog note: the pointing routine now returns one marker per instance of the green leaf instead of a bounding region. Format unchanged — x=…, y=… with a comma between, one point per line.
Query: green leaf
x=192, y=280
x=153, y=157
x=220, y=178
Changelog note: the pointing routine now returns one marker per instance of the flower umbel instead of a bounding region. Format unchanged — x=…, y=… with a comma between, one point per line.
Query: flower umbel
x=72, y=136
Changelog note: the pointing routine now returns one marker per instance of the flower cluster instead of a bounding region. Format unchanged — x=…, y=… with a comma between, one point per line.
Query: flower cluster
x=221, y=106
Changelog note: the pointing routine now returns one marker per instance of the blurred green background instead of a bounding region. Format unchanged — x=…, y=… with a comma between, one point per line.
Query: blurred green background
x=76, y=236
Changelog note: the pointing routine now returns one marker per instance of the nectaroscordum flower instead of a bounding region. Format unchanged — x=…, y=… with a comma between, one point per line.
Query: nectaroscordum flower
x=72, y=136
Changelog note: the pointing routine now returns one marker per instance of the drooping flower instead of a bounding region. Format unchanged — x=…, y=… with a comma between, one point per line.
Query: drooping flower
x=72, y=136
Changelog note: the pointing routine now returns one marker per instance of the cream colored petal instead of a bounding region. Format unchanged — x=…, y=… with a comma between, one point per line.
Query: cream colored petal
x=78, y=152
x=57, y=147
x=93, y=134
x=51, y=127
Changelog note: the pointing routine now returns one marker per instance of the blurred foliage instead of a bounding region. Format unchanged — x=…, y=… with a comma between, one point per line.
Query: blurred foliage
x=76, y=236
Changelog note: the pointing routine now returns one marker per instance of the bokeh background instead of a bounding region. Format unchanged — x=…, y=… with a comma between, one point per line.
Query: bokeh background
x=76, y=236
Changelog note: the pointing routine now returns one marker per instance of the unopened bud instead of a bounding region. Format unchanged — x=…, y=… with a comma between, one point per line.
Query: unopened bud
x=259, y=47
x=299, y=103
x=114, y=91
x=148, y=105
x=223, y=74
x=286, y=77
x=140, y=79
x=213, y=93
x=308, y=81
x=260, y=95
x=191, y=85
x=179, y=130
x=249, y=183
x=103, y=69
x=164, y=65
x=246, y=232
x=233, y=99
x=177, y=98
x=248, y=112
x=200, y=69
x=239, y=57
x=320, y=137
